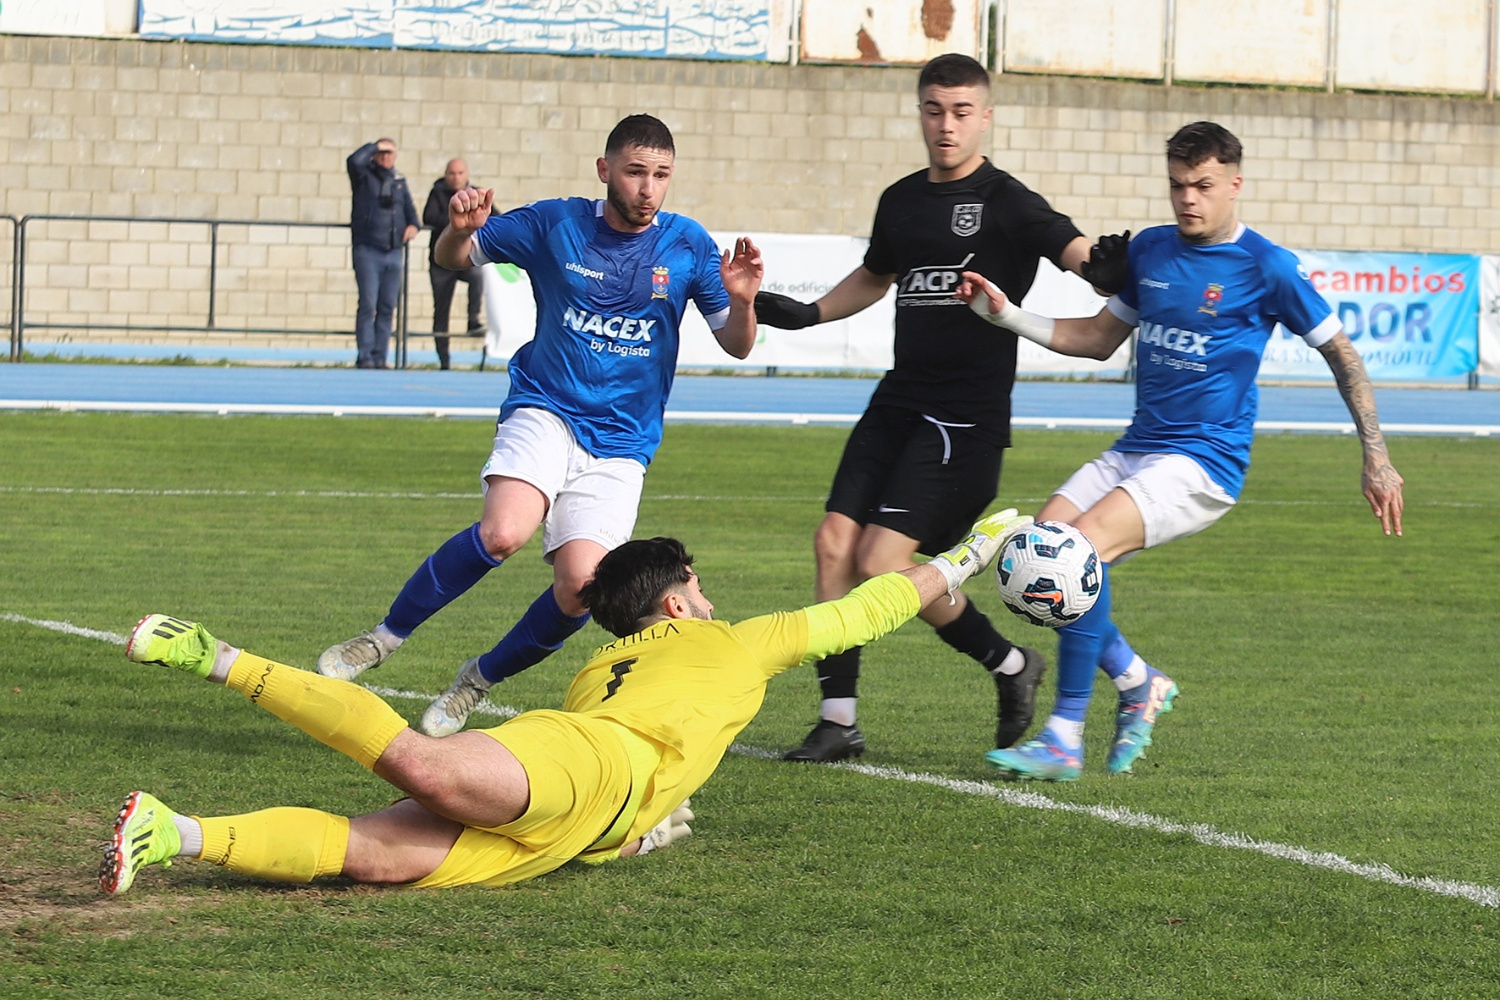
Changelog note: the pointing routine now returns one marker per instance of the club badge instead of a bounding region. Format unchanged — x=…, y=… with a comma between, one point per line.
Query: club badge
x=1212, y=296
x=966, y=219
x=660, y=279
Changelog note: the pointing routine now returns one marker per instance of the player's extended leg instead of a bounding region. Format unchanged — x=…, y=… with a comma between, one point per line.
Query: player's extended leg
x=1145, y=693
x=472, y=780
x=402, y=843
x=554, y=616
x=512, y=511
x=1115, y=527
x=594, y=506
x=835, y=737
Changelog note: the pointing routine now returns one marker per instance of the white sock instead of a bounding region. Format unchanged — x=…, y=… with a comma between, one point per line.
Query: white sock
x=1012, y=664
x=191, y=832
x=222, y=661
x=387, y=638
x=840, y=710
x=1134, y=675
x=1068, y=731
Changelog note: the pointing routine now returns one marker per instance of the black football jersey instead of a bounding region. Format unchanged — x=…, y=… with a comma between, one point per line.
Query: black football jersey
x=950, y=364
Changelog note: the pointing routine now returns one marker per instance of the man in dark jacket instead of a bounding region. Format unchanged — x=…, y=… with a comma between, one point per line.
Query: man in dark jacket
x=444, y=281
x=382, y=219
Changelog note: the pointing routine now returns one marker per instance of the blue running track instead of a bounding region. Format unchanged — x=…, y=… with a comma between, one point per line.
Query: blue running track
x=839, y=401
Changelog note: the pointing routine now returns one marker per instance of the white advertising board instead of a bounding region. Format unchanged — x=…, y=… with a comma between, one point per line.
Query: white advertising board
x=1085, y=37
x=1400, y=45
x=1281, y=42
x=890, y=31
x=93, y=18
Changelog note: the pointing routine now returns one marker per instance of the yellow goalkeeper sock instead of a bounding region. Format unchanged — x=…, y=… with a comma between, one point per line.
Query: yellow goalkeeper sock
x=345, y=716
x=285, y=844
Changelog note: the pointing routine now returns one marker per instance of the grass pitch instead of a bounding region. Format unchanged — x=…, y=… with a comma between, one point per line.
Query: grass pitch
x=1332, y=747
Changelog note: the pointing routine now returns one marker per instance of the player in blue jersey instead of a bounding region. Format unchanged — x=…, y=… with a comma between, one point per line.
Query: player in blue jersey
x=1206, y=296
x=612, y=278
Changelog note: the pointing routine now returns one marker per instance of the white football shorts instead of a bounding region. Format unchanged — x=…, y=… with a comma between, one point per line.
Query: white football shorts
x=587, y=497
x=1175, y=496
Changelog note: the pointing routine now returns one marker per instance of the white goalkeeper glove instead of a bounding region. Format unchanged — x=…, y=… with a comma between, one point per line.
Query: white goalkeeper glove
x=669, y=830
x=969, y=557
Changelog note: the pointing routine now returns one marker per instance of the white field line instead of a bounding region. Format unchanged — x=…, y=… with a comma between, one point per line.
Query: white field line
x=1209, y=836
x=704, y=497
x=714, y=416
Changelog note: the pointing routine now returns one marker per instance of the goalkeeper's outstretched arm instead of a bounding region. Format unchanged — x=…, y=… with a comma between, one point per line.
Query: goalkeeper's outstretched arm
x=884, y=603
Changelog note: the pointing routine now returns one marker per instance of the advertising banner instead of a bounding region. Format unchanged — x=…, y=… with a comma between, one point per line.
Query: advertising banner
x=671, y=29
x=806, y=267
x=1412, y=316
x=362, y=23
x=1489, y=316
x=676, y=29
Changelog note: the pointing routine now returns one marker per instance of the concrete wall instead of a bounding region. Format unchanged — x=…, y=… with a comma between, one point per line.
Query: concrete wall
x=131, y=128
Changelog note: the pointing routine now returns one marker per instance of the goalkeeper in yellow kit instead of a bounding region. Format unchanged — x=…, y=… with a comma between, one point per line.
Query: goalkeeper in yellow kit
x=643, y=725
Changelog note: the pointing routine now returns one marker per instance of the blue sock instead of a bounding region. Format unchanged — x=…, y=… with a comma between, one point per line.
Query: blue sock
x=1117, y=655
x=541, y=632
x=1079, y=646
x=457, y=565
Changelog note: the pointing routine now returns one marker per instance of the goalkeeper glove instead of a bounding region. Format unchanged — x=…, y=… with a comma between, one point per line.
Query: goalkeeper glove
x=1108, y=265
x=669, y=830
x=969, y=557
x=784, y=312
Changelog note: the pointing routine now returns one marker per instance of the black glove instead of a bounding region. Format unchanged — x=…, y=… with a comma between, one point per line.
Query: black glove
x=784, y=312
x=1108, y=265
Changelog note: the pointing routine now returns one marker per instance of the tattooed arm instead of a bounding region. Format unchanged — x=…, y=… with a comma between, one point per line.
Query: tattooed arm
x=1380, y=480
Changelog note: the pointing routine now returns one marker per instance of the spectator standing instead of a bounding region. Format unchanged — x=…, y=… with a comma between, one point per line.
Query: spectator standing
x=382, y=219
x=444, y=282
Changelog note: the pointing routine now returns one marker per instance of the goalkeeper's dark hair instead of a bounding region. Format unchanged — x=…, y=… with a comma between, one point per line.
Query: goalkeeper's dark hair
x=645, y=131
x=1199, y=142
x=630, y=581
x=953, y=69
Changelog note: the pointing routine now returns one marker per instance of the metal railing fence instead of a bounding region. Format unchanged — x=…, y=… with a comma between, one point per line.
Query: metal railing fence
x=30, y=230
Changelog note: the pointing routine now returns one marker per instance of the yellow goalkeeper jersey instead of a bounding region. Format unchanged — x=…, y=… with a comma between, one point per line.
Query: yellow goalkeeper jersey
x=689, y=686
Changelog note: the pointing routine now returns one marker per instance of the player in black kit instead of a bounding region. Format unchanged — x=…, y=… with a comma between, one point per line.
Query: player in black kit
x=924, y=460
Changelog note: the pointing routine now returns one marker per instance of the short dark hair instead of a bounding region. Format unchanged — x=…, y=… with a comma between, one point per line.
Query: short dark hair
x=630, y=580
x=645, y=131
x=952, y=69
x=1201, y=141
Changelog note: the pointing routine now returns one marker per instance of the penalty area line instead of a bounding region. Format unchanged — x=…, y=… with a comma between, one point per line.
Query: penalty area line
x=1203, y=833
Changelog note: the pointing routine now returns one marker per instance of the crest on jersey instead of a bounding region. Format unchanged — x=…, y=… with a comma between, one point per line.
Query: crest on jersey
x=966, y=218
x=660, y=280
x=1212, y=296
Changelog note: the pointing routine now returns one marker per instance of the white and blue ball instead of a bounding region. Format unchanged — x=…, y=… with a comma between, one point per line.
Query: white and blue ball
x=1048, y=573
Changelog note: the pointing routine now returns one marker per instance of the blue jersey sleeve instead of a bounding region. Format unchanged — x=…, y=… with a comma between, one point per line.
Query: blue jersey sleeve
x=1294, y=302
x=516, y=236
x=708, y=285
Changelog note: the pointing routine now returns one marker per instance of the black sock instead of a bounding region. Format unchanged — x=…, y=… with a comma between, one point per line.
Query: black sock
x=972, y=634
x=838, y=675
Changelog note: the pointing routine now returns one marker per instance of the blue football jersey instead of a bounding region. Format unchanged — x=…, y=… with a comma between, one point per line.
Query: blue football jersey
x=609, y=308
x=1204, y=315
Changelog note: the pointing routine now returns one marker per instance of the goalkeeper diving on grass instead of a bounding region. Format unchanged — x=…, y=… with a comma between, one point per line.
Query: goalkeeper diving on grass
x=643, y=725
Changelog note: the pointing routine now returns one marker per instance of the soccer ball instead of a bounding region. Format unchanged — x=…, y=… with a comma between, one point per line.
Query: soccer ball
x=1048, y=573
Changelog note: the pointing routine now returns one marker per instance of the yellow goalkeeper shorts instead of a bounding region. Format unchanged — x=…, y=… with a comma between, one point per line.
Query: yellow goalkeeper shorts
x=586, y=774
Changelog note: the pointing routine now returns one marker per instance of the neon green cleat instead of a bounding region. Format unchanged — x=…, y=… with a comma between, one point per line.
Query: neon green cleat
x=144, y=835
x=172, y=642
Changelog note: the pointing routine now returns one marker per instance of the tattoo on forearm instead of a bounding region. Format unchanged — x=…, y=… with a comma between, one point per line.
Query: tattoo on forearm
x=1354, y=386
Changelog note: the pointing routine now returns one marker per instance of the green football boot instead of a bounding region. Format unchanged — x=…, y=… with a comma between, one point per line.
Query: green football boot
x=144, y=835
x=172, y=642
